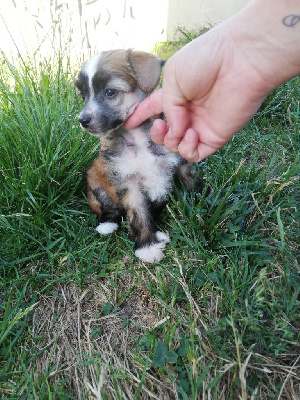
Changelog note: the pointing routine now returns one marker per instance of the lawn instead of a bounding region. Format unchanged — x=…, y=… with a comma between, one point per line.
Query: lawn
x=83, y=318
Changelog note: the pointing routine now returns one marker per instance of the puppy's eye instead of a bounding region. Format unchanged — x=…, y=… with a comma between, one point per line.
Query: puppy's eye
x=110, y=93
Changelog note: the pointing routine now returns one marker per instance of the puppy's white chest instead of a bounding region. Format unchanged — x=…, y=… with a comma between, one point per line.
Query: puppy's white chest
x=143, y=164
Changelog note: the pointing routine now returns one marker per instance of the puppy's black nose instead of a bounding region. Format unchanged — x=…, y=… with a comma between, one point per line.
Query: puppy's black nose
x=85, y=120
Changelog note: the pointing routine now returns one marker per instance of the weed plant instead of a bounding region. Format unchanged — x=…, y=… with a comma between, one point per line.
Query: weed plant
x=83, y=318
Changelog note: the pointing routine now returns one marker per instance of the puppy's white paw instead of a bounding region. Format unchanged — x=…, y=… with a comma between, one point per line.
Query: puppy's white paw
x=154, y=252
x=162, y=237
x=105, y=228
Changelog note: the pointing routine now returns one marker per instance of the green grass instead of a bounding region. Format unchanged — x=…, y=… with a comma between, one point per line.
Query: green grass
x=218, y=317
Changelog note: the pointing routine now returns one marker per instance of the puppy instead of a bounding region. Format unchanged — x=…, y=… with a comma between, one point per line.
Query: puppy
x=132, y=175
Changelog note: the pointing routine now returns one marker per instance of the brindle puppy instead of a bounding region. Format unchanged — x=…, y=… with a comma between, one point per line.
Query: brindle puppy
x=132, y=175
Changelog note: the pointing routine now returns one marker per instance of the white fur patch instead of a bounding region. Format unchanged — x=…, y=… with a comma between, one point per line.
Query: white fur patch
x=105, y=228
x=154, y=252
x=152, y=172
x=91, y=66
x=162, y=237
x=91, y=107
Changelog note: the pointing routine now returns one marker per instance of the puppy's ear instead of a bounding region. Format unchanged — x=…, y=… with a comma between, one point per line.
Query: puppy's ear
x=147, y=69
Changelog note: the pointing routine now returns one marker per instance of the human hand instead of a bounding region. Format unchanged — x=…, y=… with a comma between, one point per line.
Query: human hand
x=214, y=85
x=208, y=95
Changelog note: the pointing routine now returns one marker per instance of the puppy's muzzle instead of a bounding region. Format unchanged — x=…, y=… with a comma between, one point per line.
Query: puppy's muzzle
x=85, y=121
x=101, y=125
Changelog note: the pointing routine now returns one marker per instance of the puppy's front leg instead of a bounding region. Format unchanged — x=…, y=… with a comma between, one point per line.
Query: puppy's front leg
x=103, y=199
x=149, y=242
x=109, y=213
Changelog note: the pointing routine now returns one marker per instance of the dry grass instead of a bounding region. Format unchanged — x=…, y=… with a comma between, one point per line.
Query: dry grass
x=96, y=354
x=77, y=331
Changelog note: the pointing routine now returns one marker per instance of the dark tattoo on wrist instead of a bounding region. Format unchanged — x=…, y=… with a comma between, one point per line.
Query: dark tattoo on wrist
x=291, y=20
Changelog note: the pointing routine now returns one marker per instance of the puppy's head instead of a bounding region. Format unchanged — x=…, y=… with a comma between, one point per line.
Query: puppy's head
x=112, y=84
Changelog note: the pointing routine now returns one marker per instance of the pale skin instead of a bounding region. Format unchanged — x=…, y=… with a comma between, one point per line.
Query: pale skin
x=213, y=86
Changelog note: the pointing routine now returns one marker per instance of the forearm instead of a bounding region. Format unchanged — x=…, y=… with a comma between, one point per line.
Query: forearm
x=268, y=31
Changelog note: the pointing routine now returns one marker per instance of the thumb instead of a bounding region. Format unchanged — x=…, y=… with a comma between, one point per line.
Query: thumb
x=152, y=105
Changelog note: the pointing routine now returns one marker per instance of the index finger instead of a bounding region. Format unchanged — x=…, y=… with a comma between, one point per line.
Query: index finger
x=152, y=105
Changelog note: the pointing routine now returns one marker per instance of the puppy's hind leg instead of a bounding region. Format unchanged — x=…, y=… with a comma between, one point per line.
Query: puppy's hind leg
x=187, y=174
x=153, y=252
x=149, y=242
